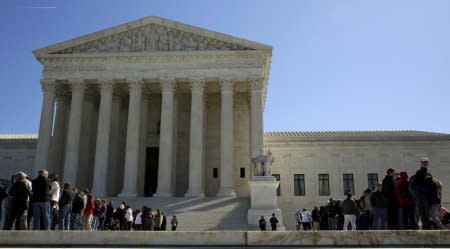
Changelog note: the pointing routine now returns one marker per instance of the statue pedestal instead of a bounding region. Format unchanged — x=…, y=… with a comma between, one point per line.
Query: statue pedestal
x=263, y=200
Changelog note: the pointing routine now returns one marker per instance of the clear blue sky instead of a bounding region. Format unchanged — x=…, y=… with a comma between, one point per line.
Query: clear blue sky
x=336, y=65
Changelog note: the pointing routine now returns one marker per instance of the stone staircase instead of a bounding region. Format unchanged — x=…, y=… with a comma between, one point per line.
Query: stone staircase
x=196, y=214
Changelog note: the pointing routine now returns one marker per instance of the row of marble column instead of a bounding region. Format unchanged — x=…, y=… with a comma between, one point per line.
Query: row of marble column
x=164, y=188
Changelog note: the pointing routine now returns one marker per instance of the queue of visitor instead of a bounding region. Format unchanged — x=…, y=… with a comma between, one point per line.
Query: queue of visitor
x=41, y=204
x=398, y=202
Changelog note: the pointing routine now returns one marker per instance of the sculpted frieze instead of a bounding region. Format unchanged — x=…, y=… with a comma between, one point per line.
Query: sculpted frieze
x=150, y=38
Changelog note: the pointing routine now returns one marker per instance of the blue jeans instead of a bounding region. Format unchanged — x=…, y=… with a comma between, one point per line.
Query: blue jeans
x=75, y=223
x=41, y=209
x=64, y=217
x=379, y=219
x=332, y=223
x=424, y=210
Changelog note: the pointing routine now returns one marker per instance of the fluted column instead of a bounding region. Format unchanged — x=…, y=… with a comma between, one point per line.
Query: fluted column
x=103, y=135
x=196, y=139
x=60, y=133
x=74, y=132
x=45, y=126
x=132, y=145
x=166, y=139
x=226, y=139
x=256, y=133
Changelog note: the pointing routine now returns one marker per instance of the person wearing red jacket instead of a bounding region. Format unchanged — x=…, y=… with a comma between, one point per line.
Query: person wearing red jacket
x=407, y=207
x=88, y=211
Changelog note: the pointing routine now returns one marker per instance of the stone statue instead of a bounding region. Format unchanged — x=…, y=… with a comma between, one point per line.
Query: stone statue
x=262, y=164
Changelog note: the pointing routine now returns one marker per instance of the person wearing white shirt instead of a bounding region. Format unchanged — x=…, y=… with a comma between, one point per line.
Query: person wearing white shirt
x=306, y=219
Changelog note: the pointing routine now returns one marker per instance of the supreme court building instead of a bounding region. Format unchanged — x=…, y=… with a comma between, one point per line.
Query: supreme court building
x=155, y=108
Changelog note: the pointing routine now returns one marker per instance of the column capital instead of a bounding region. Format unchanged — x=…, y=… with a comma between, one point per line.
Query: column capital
x=226, y=85
x=197, y=84
x=256, y=84
x=135, y=84
x=77, y=84
x=106, y=84
x=168, y=84
x=48, y=86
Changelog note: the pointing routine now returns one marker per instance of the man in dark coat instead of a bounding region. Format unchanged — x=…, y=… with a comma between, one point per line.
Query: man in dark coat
x=262, y=224
x=41, y=200
x=65, y=206
x=273, y=222
x=19, y=193
x=390, y=195
x=422, y=192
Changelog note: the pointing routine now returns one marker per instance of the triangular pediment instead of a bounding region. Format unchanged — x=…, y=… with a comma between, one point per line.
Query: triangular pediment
x=151, y=34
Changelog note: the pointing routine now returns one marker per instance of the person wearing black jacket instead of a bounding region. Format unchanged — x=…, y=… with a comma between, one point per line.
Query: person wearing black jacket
x=392, y=202
x=19, y=194
x=378, y=202
x=41, y=200
x=273, y=222
x=65, y=206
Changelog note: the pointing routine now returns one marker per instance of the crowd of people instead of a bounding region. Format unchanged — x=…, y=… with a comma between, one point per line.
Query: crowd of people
x=40, y=204
x=398, y=202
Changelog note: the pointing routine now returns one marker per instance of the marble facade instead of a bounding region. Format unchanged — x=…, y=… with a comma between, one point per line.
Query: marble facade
x=195, y=95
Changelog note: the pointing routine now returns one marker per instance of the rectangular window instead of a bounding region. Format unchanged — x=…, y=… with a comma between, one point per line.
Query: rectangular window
x=299, y=184
x=349, y=185
x=242, y=172
x=277, y=176
x=324, y=184
x=372, y=180
x=215, y=173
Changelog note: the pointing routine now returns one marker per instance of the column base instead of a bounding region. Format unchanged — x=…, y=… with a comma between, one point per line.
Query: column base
x=190, y=194
x=162, y=195
x=226, y=192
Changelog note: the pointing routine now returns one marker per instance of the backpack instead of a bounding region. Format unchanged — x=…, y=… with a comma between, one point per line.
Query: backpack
x=411, y=189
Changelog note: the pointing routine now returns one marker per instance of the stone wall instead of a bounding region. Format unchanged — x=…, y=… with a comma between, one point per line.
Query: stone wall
x=357, y=158
x=229, y=238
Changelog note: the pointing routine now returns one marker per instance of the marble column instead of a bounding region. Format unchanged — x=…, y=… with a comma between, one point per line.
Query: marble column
x=256, y=115
x=166, y=156
x=143, y=142
x=73, y=133
x=226, y=139
x=60, y=133
x=103, y=135
x=45, y=126
x=196, y=177
x=132, y=144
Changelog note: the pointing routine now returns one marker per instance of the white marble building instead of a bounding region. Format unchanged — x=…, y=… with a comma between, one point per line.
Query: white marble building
x=161, y=108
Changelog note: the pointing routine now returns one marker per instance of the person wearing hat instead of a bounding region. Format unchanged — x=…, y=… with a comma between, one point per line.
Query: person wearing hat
x=19, y=193
x=422, y=191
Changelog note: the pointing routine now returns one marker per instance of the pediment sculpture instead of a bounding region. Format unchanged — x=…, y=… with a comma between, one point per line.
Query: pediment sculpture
x=262, y=164
x=149, y=38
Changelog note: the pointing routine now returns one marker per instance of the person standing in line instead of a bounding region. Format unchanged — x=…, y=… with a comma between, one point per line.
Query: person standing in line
x=262, y=224
x=315, y=214
x=407, y=203
x=65, y=207
x=158, y=220
x=350, y=210
x=422, y=191
x=138, y=220
x=390, y=195
x=273, y=222
x=332, y=213
x=19, y=193
x=102, y=216
x=77, y=210
x=174, y=223
x=379, y=208
x=435, y=201
x=88, y=212
x=164, y=222
x=128, y=218
x=41, y=201
x=306, y=220
x=55, y=193
x=366, y=210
